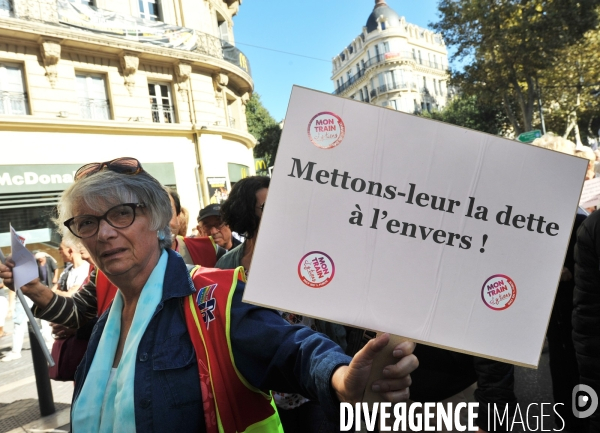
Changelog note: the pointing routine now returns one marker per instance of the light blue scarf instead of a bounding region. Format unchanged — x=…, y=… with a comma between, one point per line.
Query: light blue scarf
x=99, y=409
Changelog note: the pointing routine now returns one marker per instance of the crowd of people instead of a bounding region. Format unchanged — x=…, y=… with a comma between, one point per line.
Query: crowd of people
x=174, y=348
x=171, y=346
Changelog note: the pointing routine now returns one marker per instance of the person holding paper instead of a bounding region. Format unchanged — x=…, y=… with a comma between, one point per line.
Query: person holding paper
x=154, y=355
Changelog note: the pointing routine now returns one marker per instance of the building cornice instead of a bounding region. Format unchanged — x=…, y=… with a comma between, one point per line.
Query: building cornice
x=243, y=137
x=111, y=127
x=19, y=32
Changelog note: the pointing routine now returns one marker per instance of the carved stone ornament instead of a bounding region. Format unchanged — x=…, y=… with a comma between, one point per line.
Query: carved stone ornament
x=129, y=64
x=50, y=53
x=245, y=98
x=183, y=72
x=220, y=81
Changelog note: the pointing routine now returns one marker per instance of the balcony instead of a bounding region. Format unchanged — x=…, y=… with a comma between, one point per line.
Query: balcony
x=392, y=87
x=163, y=113
x=13, y=103
x=82, y=17
x=382, y=58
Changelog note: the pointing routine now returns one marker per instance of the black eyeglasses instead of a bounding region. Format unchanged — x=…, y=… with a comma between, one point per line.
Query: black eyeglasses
x=124, y=165
x=208, y=227
x=120, y=217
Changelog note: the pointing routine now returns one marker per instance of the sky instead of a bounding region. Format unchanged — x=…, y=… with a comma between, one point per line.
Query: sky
x=316, y=29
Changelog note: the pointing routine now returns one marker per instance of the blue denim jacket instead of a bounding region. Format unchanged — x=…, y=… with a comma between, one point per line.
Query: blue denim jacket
x=269, y=353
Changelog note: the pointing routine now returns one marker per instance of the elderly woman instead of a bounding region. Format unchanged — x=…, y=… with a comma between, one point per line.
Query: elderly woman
x=142, y=371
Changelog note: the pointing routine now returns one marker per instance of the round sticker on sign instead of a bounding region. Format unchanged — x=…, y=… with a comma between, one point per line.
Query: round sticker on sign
x=326, y=130
x=499, y=292
x=316, y=269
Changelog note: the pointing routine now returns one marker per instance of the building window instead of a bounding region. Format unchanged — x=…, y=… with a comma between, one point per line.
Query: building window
x=149, y=10
x=366, y=93
x=83, y=2
x=424, y=83
x=161, y=103
x=435, y=87
x=394, y=104
x=420, y=58
x=231, y=114
x=13, y=99
x=414, y=53
x=386, y=47
x=237, y=172
x=223, y=28
x=349, y=75
x=91, y=92
x=5, y=8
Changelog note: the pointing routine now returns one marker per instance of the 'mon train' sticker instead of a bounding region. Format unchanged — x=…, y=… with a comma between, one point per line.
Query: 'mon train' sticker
x=499, y=292
x=316, y=269
x=326, y=130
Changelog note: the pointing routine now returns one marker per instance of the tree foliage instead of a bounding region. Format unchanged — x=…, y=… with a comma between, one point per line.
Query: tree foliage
x=469, y=112
x=508, y=44
x=571, y=90
x=264, y=128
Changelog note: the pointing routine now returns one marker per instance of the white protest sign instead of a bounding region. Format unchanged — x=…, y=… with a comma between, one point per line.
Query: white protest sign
x=590, y=196
x=25, y=271
x=395, y=223
x=26, y=268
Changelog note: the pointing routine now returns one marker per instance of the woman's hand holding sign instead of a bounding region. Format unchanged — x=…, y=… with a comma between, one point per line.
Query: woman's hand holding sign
x=349, y=382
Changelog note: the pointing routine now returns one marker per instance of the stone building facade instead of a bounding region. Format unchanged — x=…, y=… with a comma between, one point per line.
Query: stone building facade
x=393, y=64
x=84, y=81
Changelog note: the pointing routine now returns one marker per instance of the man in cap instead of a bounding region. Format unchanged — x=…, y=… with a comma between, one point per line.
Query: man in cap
x=210, y=224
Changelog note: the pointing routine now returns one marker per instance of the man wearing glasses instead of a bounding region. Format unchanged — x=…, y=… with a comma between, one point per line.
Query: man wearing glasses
x=210, y=224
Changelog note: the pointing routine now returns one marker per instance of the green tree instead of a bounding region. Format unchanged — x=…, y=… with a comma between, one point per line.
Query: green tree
x=469, y=112
x=264, y=128
x=571, y=90
x=507, y=44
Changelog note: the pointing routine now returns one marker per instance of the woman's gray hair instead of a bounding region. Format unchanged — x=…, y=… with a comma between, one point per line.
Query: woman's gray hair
x=107, y=188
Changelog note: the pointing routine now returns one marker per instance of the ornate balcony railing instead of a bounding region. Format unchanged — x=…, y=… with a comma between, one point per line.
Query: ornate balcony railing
x=381, y=58
x=13, y=103
x=85, y=17
x=163, y=113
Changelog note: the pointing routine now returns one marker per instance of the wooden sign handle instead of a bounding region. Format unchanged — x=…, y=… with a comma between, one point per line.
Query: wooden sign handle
x=383, y=359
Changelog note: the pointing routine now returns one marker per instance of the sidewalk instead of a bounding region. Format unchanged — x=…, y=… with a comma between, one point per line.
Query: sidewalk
x=19, y=408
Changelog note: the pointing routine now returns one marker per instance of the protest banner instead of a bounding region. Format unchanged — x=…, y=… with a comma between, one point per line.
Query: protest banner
x=590, y=196
x=388, y=221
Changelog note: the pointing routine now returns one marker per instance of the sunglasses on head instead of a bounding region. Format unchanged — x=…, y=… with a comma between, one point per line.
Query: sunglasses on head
x=124, y=165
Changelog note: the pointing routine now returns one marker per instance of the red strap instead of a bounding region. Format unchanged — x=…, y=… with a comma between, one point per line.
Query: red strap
x=105, y=292
x=208, y=402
